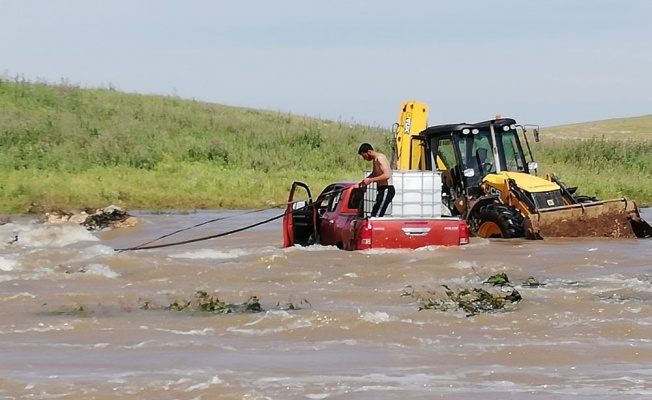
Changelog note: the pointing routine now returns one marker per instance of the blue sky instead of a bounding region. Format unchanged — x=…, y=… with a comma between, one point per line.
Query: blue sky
x=548, y=62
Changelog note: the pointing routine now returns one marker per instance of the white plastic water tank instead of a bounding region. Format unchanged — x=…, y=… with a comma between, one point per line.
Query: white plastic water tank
x=418, y=195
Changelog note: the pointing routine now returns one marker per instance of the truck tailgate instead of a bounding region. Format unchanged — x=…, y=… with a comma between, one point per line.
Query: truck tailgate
x=414, y=233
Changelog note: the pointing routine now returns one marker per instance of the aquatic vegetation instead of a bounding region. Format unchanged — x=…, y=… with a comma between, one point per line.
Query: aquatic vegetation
x=499, y=279
x=472, y=301
x=205, y=302
x=202, y=301
x=108, y=217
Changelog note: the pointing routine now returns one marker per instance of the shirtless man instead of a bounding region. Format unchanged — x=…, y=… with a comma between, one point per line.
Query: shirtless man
x=382, y=175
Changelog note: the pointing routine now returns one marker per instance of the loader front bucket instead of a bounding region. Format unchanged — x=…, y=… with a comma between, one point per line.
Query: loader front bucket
x=616, y=218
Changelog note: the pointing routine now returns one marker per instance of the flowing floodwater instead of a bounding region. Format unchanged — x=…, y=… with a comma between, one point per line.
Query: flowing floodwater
x=80, y=320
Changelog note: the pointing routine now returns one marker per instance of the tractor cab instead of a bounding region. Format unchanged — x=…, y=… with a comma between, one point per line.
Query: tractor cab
x=487, y=176
x=479, y=149
x=469, y=153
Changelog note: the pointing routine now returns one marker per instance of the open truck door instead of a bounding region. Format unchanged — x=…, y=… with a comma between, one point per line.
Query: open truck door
x=300, y=219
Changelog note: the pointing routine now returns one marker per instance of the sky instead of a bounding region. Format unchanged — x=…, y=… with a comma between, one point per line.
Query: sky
x=550, y=63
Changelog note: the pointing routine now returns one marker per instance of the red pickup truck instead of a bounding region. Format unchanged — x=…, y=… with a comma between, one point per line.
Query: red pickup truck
x=338, y=218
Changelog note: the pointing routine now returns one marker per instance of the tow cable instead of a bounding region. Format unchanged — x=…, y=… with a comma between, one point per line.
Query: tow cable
x=158, y=246
x=144, y=246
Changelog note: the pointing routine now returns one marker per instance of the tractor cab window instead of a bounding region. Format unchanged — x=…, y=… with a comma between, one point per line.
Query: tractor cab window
x=444, y=155
x=514, y=158
x=483, y=158
x=476, y=153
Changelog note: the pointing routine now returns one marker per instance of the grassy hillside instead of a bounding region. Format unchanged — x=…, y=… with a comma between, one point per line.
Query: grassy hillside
x=632, y=129
x=607, y=159
x=62, y=146
x=70, y=148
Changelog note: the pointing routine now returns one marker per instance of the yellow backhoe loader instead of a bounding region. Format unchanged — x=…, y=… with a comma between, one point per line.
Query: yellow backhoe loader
x=488, y=181
x=408, y=150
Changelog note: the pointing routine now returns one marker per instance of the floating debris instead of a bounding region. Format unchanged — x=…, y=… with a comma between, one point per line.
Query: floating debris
x=472, y=301
x=204, y=302
x=75, y=311
x=207, y=303
x=499, y=279
x=289, y=305
x=532, y=282
x=109, y=217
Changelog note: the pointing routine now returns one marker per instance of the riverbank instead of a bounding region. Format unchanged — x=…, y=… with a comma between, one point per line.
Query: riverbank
x=64, y=147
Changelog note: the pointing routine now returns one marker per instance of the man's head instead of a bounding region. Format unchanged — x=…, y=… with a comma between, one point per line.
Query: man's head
x=366, y=151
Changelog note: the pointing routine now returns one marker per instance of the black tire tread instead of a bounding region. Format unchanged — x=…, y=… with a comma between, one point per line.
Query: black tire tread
x=509, y=220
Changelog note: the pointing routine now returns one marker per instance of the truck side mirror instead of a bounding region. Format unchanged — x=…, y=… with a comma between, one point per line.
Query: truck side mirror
x=536, y=134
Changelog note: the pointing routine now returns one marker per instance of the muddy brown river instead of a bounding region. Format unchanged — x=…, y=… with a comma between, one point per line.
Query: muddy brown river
x=80, y=320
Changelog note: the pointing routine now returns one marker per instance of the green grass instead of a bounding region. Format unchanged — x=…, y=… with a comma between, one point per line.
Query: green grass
x=70, y=148
x=185, y=186
x=635, y=129
x=602, y=162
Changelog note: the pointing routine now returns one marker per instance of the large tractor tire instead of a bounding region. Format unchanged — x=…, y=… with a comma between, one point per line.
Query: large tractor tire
x=498, y=221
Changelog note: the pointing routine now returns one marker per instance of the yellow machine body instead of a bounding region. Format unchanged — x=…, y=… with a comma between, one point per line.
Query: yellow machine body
x=507, y=203
x=409, y=151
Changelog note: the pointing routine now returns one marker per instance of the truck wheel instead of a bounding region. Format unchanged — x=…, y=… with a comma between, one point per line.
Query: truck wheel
x=498, y=221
